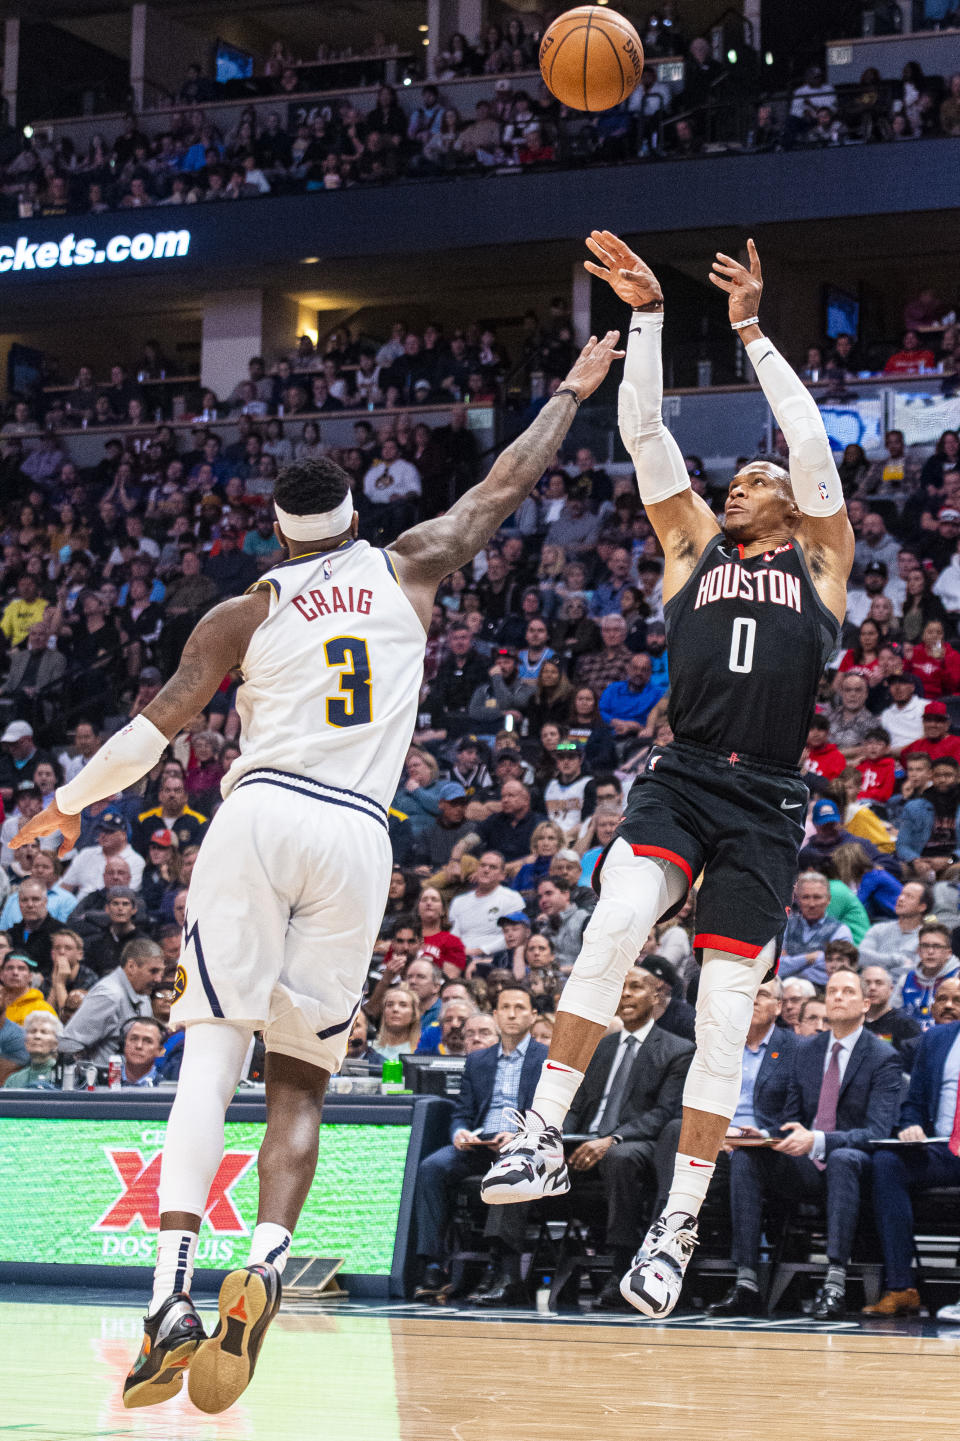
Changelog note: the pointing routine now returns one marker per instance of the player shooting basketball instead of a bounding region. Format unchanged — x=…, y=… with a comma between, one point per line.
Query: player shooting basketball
x=753, y=609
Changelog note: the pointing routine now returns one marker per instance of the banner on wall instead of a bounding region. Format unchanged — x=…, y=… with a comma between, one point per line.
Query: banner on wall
x=109, y=1171
x=24, y=255
x=924, y=417
x=858, y=422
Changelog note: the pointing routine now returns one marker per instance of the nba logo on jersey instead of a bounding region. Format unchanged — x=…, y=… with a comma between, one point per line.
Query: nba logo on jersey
x=652, y=762
x=823, y=489
x=327, y=571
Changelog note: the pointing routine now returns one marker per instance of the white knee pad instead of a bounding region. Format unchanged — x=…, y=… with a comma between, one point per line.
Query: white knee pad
x=635, y=892
x=728, y=988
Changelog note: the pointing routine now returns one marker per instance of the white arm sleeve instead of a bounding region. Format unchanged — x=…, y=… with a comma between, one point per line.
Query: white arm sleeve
x=120, y=761
x=660, y=468
x=813, y=473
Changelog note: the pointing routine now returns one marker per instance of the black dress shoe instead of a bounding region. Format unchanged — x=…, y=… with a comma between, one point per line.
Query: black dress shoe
x=829, y=1305
x=610, y=1298
x=739, y=1301
x=504, y=1293
x=487, y=1282
x=434, y=1280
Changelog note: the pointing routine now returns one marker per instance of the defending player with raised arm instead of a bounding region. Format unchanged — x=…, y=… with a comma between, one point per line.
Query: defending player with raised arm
x=290, y=884
x=753, y=609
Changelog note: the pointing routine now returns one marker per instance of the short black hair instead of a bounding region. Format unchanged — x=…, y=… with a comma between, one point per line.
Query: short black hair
x=311, y=487
x=877, y=733
x=950, y=761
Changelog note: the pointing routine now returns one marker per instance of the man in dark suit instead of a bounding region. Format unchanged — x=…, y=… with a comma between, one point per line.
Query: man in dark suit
x=932, y=1108
x=496, y=1080
x=629, y=1096
x=765, y=1077
x=844, y=1091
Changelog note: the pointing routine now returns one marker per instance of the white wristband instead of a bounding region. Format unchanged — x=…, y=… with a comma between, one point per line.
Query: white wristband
x=743, y=324
x=120, y=761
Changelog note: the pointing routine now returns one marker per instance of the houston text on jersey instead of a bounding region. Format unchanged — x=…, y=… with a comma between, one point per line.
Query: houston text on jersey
x=732, y=582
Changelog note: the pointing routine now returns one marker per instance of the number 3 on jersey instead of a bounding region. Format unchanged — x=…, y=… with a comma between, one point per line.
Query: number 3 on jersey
x=354, y=708
x=742, y=641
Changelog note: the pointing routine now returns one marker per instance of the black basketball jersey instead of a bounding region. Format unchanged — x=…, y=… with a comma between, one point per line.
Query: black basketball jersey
x=748, y=640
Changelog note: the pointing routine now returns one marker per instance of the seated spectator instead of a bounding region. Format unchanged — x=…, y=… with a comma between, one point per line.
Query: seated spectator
x=902, y=719
x=19, y=992
x=850, y=719
x=825, y=1154
x=546, y=840
x=85, y=872
x=392, y=487
x=510, y=831
x=626, y=705
x=829, y=834
x=885, y=1020
x=893, y=944
x=822, y=757
x=629, y=1106
x=68, y=973
x=13, y=1056
x=497, y=1082
x=809, y=928
x=911, y=358
x=504, y=693
x=560, y=920
x=601, y=829
x=474, y=914
x=812, y=1019
x=142, y=1047
x=564, y=794
x=932, y=1109
x=426, y=981
x=927, y=841
x=438, y=944
x=446, y=1037
x=795, y=992
x=459, y=674
x=41, y=1040
x=935, y=663
x=116, y=872
x=19, y=759
x=671, y=1011
x=358, y=1043
x=44, y=868
x=877, y=768
x=915, y=989
x=936, y=740
x=171, y=813
x=34, y=933
x=105, y=937
x=93, y=1034
x=516, y=927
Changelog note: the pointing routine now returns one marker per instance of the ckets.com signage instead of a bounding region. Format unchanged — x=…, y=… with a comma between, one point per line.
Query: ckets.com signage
x=24, y=255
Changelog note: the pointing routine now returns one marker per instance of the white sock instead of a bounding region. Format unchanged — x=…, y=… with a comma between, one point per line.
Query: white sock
x=174, y=1269
x=271, y=1243
x=556, y=1088
x=691, y=1181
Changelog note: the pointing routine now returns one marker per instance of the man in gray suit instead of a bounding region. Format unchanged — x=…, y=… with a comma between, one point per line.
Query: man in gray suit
x=628, y=1105
x=32, y=668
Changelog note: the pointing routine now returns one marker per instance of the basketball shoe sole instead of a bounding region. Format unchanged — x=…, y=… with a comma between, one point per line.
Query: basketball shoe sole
x=170, y=1340
x=223, y=1367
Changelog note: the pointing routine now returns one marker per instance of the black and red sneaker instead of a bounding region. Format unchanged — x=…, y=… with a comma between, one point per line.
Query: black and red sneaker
x=170, y=1339
x=223, y=1367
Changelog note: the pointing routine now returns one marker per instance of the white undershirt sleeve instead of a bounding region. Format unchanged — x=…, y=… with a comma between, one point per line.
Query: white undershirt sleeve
x=657, y=459
x=813, y=473
x=120, y=761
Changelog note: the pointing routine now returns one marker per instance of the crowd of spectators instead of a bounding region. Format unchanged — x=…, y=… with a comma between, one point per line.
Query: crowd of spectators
x=294, y=146
x=546, y=684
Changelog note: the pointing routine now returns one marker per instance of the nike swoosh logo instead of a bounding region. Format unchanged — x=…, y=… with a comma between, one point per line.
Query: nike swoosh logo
x=705, y=1165
x=790, y=805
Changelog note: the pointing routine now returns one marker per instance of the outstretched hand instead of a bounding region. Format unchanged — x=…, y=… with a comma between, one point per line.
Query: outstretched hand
x=593, y=362
x=743, y=286
x=44, y=824
x=627, y=275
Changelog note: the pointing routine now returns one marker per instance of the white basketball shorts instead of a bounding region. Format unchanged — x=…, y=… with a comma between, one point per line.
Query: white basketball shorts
x=285, y=903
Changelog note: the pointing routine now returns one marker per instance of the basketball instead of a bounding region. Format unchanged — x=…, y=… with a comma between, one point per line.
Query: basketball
x=591, y=58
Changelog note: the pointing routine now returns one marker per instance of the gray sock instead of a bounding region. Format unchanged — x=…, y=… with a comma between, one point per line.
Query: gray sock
x=836, y=1278
x=747, y=1278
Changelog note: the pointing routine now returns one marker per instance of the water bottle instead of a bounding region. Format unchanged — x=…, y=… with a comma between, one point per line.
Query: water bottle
x=68, y=1077
x=114, y=1073
x=392, y=1077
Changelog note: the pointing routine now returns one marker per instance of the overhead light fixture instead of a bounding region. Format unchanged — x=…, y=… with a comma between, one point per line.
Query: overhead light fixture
x=407, y=80
x=731, y=57
x=423, y=29
x=310, y=260
x=768, y=58
x=425, y=40
x=28, y=132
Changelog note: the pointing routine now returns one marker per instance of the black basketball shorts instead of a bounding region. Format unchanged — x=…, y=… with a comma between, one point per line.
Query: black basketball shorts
x=735, y=819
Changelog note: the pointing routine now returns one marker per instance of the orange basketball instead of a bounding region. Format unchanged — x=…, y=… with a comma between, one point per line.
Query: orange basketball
x=591, y=58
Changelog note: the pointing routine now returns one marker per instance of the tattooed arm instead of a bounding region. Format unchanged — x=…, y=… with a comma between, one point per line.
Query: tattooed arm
x=217, y=645
x=428, y=552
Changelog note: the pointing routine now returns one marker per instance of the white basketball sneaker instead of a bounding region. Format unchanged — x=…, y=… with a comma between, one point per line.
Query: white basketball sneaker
x=530, y=1165
x=655, y=1280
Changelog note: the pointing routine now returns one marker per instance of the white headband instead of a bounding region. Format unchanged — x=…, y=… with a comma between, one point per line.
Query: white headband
x=316, y=527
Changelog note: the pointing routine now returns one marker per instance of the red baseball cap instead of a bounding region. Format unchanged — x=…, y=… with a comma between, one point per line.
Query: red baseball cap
x=163, y=838
x=936, y=710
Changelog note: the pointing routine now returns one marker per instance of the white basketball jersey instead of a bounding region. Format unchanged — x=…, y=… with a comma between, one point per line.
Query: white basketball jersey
x=331, y=678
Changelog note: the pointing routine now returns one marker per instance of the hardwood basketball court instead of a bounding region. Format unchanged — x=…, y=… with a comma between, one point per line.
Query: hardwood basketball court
x=405, y=1373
